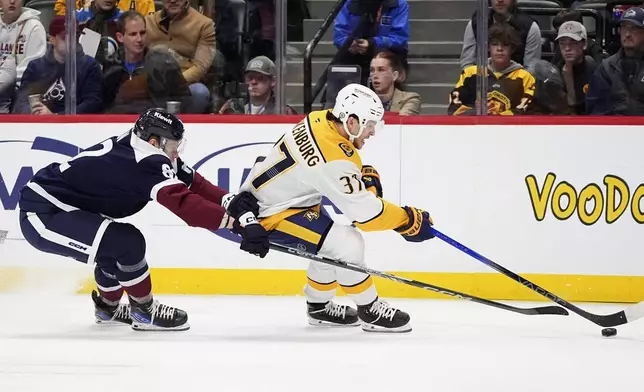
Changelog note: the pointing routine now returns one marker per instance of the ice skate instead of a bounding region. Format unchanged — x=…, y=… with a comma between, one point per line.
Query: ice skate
x=154, y=316
x=378, y=316
x=110, y=315
x=331, y=314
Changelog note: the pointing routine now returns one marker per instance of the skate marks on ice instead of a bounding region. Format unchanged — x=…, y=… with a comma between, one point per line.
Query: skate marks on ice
x=265, y=344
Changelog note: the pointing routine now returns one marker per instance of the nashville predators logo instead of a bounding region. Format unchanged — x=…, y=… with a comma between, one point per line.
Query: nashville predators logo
x=347, y=149
x=585, y=89
x=311, y=215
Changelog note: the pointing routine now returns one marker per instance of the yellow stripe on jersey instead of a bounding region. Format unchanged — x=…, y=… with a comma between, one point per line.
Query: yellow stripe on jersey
x=332, y=145
x=322, y=286
x=391, y=217
x=358, y=288
x=298, y=231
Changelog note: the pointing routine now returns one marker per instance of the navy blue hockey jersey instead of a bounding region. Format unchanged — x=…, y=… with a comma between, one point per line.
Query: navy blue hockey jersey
x=117, y=178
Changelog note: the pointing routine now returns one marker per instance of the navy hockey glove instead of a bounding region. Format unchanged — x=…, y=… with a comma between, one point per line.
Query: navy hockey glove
x=371, y=180
x=254, y=236
x=238, y=204
x=419, y=227
x=185, y=173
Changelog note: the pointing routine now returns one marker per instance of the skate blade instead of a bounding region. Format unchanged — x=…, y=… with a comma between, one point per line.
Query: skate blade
x=378, y=329
x=154, y=328
x=111, y=322
x=321, y=323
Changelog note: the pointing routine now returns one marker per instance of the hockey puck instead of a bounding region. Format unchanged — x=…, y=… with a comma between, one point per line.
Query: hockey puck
x=609, y=332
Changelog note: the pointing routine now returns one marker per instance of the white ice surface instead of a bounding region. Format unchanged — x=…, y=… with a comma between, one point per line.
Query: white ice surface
x=50, y=343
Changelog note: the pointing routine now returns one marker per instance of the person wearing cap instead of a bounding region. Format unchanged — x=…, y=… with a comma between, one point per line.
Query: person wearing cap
x=593, y=48
x=575, y=67
x=617, y=86
x=259, y=75
x=46, y=77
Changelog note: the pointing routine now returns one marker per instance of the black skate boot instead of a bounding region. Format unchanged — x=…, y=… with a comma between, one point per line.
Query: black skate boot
x=329, y=313
x=107, y=314
x=154, y=316
x=378, y=316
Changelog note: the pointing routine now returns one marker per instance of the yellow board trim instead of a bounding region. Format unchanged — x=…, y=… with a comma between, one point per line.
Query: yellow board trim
x=195, y=281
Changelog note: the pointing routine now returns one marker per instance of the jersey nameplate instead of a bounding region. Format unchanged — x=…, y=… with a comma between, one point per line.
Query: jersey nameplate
x=304, y=140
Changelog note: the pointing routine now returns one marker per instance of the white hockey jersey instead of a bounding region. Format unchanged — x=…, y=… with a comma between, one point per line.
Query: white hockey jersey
x=311, y=161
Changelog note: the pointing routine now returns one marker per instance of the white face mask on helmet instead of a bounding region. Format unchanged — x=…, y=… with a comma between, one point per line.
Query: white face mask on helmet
x=362, y=102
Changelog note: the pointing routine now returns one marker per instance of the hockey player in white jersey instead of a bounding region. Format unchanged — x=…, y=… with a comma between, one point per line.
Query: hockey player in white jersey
x=319, y=158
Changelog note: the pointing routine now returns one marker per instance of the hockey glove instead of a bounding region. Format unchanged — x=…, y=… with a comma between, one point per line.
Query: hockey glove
x=418, y=228
x=371, y=180
x=185, y=173
x=238, y=204
x=254, y=236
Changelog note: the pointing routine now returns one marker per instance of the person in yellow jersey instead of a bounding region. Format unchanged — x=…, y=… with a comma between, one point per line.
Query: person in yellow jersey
x=143, y=7
x=319, y=157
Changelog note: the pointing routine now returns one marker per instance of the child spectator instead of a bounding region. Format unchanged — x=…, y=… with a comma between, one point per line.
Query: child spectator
x=510, y=86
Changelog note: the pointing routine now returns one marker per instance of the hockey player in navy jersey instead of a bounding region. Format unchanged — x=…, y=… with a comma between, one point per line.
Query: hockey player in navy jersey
x=68, y=209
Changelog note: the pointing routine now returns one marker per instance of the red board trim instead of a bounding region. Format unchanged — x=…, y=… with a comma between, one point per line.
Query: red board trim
x=389, y=119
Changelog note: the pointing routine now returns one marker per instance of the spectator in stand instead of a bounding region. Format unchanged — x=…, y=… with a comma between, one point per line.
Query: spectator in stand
x=365, y=27
x=384, y=73
x=593, y=48
x=549, y=94
x=528, y=49
x=46, y=76
x=192, y=36
x=510, y=86
x=102, y=16
x=576, y=68
x=22, y=39
x=260, y=77
x=143, y=7
x=129, y=85
x=617, y=86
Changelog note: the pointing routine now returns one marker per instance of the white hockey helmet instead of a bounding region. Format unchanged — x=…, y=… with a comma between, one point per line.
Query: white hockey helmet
x=362, y=102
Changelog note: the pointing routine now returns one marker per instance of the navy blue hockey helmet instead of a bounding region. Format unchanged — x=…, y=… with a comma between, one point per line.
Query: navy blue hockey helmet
x=160, y=123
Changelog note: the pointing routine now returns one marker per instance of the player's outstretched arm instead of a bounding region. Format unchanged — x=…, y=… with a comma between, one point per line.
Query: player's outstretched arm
x=198, y=183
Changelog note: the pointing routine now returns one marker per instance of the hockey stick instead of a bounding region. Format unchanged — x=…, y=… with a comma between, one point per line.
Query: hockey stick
x=627, y=315
x=358, y=268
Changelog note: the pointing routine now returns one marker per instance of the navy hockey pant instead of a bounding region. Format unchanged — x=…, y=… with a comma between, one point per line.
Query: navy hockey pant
x=116, y=249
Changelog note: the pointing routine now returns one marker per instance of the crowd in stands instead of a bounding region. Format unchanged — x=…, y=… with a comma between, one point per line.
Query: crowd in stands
x=131, y=51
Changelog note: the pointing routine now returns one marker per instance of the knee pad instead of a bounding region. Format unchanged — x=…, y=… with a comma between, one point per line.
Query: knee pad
x=344, y=243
